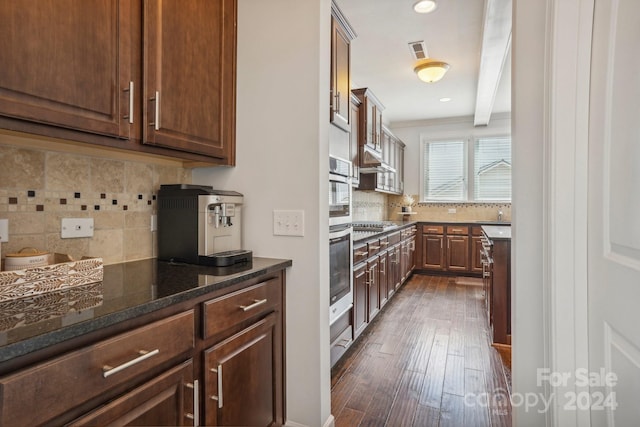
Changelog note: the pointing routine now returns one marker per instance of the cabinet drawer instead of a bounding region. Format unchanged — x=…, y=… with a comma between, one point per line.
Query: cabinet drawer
x=432, y=229
x=384, y=243
x=393, y=238
x=228, y=310
x=458, y=229
x=360, y=253
x=373, y=247
x=87, y=373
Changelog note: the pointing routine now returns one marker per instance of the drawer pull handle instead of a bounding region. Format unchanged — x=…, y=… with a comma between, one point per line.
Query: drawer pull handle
x=196, y=403
x=384, y=243
x=375, y=248
x=344, y=343
x=256, y=303
x=360, y=253
x=107, y=370
x=219, y=396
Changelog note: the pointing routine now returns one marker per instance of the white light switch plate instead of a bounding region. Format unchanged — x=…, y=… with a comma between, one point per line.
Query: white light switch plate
x=4, y=230
x=288, y=223
x=76, y=227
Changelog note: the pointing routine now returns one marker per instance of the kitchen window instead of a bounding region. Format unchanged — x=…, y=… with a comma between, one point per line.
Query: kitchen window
x=466, y=170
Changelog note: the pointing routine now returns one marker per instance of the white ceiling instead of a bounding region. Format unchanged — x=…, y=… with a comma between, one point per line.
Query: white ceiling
x=381, y=59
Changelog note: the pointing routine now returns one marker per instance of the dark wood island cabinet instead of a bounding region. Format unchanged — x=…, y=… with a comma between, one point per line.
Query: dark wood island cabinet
x=180, y=345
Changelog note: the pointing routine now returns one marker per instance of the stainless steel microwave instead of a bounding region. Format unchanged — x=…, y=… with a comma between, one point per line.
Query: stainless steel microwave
x=339, y=191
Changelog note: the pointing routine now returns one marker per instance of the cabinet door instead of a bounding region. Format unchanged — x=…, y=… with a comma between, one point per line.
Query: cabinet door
x=398, y=267
x=391, y=271
x=433, y=252
x=167, y=400
x=360, y=299
x=340, y=76
x=354, y=147
x=399, y=184
x=458, y=253
x=189, y=73
x=373, y=281
x=412, y=254
x=476, y=254
x=67, y=63
x=240, y=378
x=383, y=278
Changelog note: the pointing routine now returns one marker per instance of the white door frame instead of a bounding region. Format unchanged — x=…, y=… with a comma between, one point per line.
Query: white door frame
x=565, y=226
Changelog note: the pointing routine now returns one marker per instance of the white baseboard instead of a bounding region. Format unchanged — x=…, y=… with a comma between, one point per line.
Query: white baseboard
x=331, y=422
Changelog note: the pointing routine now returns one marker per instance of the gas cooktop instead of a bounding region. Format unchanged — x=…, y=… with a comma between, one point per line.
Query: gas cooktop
x=375, y=226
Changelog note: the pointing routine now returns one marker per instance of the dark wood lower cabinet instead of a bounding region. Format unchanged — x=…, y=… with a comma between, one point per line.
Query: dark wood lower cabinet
x=433, y=252
x=360, y=299
x=458, y=253
x=373, y=282
x=383, y=277
x=217, y=360
x=241, y=376
x=167, y=400
x=377, y=276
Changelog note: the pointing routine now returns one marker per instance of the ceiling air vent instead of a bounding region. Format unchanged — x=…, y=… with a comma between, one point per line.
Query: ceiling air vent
x=418, y=50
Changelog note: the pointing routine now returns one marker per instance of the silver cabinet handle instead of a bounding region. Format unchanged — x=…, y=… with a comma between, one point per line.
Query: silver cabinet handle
x=130, y=114
x=107, y=370
x=256, y=303
x=374, y=247
x=195, y=416
x=360, y=253
x=219, y=396
x=156, y=122
x=384, y=243
x=337, y=109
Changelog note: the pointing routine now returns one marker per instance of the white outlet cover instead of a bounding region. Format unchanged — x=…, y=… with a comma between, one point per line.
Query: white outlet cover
x=76, y=227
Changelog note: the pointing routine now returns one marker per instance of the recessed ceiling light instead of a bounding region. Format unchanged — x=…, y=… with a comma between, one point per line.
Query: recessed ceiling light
x=424, y=6
x=445, y=99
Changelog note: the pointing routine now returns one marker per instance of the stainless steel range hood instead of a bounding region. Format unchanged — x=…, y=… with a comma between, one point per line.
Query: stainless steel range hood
x=372, y=162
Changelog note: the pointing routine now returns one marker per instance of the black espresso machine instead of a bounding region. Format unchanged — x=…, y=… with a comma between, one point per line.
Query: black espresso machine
x=200, y=225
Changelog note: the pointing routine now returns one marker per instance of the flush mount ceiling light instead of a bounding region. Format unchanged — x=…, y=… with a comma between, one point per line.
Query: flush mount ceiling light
x=431, y=70
x=424, y=6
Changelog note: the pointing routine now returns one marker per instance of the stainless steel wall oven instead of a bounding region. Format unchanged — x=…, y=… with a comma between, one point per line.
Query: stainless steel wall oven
x=339, y=191
x=340, y=253
x=340, y=238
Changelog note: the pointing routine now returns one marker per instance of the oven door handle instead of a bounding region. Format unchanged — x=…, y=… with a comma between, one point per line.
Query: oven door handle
x=337, y=234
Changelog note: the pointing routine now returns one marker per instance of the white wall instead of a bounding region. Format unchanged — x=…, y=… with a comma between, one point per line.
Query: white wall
x=528, y=136
x=409, y=133
x=282, y=159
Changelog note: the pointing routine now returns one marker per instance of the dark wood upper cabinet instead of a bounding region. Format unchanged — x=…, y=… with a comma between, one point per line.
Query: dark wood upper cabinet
x=155, y=76
x=189, y=76
x=340, y=91
x=354, y=142
x=68, y=63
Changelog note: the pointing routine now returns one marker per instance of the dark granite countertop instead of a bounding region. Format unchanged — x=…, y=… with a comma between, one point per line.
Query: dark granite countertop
x=128, y=290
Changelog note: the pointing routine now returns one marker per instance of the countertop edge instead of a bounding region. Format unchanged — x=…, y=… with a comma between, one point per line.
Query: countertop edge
x=30, y=345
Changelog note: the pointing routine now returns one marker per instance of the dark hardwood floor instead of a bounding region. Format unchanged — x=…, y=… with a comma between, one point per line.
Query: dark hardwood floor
x=426, y=360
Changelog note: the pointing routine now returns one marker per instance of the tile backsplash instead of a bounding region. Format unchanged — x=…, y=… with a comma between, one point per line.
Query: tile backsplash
x=450, y=211
x=39, y=187
x=369, y=206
